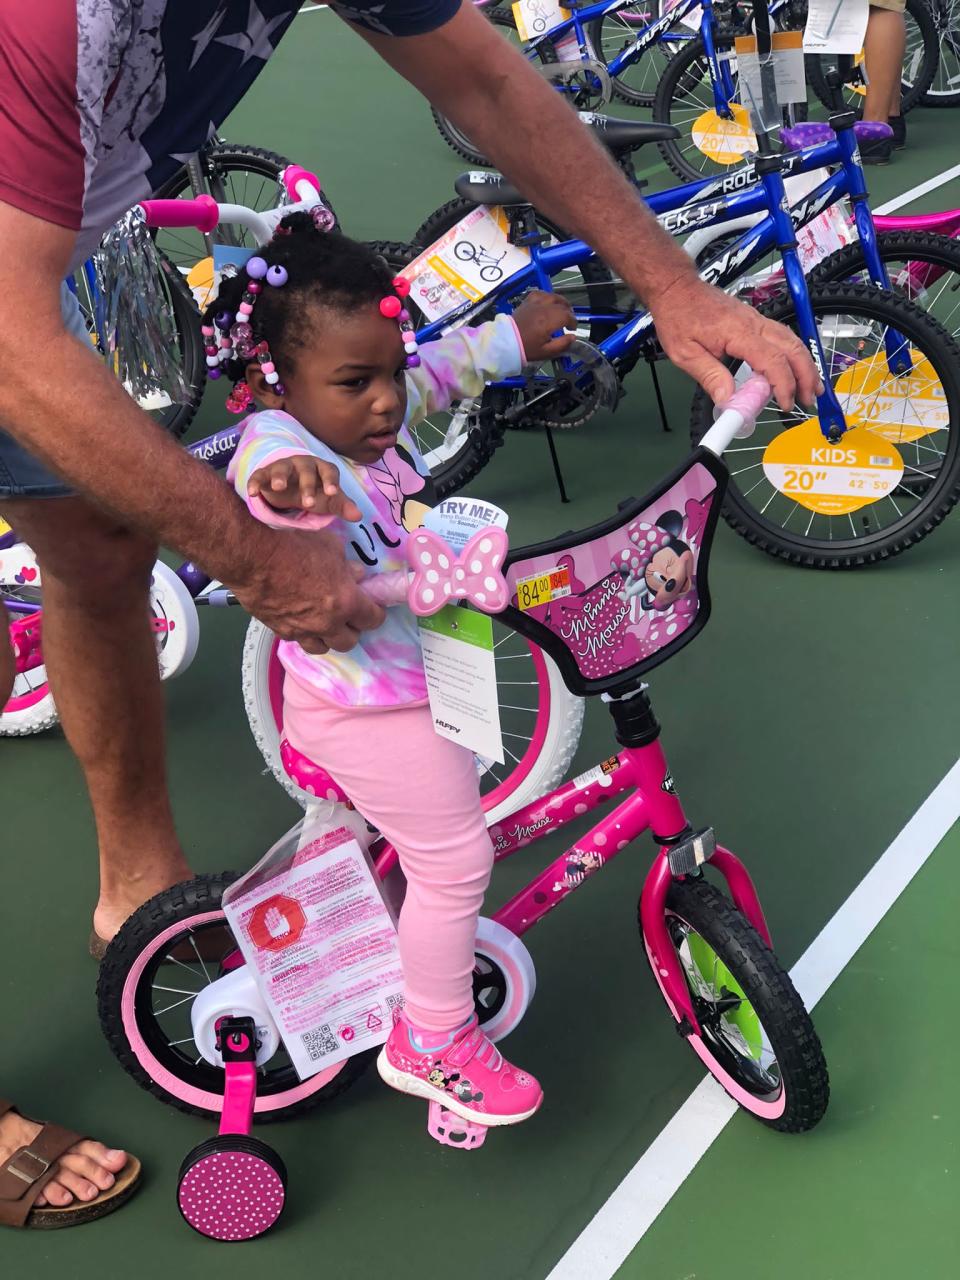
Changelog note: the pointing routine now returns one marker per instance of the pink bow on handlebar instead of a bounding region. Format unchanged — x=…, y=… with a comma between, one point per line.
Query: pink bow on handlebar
x=440, y=576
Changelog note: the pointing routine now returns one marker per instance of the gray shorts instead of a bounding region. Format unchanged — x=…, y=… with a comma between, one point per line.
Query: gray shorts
x=21, y=474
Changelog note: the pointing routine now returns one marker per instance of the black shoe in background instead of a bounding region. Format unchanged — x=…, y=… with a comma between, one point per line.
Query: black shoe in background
x=899, y=126
x=876, y=150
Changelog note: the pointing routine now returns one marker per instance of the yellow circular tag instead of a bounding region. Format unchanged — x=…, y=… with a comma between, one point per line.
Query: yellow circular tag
x=832, y=479
x=200, y=281
x=898, y=409
x=725, y=141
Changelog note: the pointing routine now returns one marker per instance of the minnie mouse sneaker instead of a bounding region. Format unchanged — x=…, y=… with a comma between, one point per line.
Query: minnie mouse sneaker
x=465, y=1073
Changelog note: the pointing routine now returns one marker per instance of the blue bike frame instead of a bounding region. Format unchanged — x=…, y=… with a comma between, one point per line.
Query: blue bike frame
x=681, y=209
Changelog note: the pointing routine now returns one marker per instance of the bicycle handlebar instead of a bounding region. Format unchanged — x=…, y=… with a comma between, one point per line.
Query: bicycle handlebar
x=294, y=178
x=203, y=212
x=738, y=416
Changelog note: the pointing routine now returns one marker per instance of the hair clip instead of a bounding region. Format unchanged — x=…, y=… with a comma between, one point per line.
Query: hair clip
x=238, y=401
x=393, y=309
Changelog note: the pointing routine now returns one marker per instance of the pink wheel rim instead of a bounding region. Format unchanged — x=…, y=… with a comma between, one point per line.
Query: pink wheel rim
x=192, y=1095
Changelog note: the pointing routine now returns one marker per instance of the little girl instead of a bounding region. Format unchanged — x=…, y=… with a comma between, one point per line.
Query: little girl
x=316, y=329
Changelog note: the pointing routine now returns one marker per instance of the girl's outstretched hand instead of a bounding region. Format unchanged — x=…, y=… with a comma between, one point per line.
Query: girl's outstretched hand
x=539, y=317
x=303, y=483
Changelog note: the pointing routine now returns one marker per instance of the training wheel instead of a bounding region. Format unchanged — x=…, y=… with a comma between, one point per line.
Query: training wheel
x=232, y=1187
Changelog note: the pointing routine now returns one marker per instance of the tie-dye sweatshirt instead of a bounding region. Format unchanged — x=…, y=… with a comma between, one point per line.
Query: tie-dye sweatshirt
x=385, y=668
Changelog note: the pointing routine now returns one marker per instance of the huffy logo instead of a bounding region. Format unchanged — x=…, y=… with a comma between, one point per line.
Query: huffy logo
x=667, y=784
x=443, y=724
x=505, y=838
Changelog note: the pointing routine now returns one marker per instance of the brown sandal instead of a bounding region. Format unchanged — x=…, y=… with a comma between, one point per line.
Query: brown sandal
x=28, y=1171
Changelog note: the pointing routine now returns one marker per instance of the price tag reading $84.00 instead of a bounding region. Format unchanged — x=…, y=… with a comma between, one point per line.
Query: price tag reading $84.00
x=543, y=587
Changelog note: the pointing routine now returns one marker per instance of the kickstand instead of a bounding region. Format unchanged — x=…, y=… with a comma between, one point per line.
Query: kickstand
x=556, y=465
x=652, y=365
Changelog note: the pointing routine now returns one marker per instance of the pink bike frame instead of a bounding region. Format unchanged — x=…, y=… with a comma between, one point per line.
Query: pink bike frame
x=639, y=775
x=945, y=223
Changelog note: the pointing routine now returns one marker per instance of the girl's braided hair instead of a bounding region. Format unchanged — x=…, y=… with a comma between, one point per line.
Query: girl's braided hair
x=324, y=268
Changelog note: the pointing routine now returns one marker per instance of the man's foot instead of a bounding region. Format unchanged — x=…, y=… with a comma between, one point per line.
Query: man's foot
x=87, y=1169
x=899, y=126
x=115, y=908
x=462, y=1071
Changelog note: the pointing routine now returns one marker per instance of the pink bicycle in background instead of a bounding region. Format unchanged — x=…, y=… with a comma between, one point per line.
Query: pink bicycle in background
x=603, y=606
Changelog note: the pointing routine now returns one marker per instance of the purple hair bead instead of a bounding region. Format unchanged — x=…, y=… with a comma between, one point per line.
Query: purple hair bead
x=256, y=267
x=277, y=276
x=413, y=362
x=224, y=319
x=213, y=373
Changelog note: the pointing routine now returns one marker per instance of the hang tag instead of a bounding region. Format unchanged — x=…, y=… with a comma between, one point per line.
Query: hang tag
x=692, y=19
x=321, y=943
x=456, y=520
x=836, y=26
x=534, y=18
x=465, y=263
x=773, y=81
x=462, y=679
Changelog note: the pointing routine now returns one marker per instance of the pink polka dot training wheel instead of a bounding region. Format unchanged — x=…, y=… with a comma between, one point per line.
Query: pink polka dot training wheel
x=232, y=1187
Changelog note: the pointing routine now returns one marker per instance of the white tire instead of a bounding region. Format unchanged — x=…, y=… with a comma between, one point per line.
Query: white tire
x=504, y=979
x=559, y=728
x=176, y=624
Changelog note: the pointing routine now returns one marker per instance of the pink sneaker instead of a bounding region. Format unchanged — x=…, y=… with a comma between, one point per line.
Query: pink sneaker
x=468, y=1075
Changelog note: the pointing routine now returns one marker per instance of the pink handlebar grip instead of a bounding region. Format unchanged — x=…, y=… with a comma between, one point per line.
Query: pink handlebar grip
x=387, y=588
x=295, y=173
x=750, y=399
x=202, y=213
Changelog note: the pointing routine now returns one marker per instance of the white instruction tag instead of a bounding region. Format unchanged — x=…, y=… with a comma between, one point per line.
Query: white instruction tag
x=835, y=26
x=456, y=520
x=692, y=19
x=534, y=18
x=465, y=263
x=321, y=944
x=462, y=679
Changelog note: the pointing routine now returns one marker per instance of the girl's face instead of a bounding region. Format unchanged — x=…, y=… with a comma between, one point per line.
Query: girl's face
x=348, y=386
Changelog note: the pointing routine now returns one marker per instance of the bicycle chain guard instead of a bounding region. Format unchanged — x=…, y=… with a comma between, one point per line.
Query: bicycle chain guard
x=576, y=73
x=565, y=402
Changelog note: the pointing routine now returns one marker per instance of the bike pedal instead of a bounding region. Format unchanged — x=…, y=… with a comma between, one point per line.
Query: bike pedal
x=453, y=1131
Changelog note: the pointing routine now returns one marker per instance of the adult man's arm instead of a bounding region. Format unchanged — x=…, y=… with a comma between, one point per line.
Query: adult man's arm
x=60, y=402
x=468, y=71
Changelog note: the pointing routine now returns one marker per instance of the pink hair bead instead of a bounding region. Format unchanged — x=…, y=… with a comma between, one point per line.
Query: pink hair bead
x=207, y=330
x=267, y=366
x=390, y=307
x=401, y=285
x=254, y=287
x=245, y=308
x=226, y=343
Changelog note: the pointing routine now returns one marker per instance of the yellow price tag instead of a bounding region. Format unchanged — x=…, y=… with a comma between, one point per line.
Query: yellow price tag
x=543, y=587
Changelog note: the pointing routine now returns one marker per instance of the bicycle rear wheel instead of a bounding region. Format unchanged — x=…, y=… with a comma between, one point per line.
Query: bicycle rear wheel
x=540, y=720
x=757, y=1038
x=616, y=31
x=455, y=138
x=891, y=479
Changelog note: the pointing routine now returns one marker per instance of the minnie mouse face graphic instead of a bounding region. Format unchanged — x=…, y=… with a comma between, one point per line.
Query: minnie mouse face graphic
x=661, y=568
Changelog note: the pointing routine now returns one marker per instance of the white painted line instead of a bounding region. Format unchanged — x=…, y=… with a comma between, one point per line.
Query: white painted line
x=916, y=192
x=606, y=1241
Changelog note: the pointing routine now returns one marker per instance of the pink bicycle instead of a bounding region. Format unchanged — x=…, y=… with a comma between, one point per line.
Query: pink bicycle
x=603, y=607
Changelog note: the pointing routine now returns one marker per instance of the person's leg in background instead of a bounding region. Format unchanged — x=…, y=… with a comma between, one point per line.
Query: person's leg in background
x=101, y=661
x=884, y=49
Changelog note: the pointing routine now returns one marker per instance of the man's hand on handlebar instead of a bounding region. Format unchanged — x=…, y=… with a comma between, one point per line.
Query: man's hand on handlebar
x=306, y=591
x=698, y=326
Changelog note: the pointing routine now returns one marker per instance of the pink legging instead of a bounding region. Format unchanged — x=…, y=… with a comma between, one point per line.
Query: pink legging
x=421, y=792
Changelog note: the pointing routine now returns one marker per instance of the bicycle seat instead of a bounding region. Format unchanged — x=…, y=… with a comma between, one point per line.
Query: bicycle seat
x=611, y=602
x=626, y=135
x=812, y=133
x=481, y=187
x=308, y=776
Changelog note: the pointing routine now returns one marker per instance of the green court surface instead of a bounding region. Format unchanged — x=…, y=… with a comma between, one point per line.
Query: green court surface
x=807, y=725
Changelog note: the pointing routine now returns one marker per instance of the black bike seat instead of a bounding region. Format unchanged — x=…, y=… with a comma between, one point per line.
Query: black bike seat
x=482, y=187
x=626, y=135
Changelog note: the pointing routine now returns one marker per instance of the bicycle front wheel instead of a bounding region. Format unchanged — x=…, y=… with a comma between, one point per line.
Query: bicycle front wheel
x=757, y=1039
x=944, y=90
x=894, y=475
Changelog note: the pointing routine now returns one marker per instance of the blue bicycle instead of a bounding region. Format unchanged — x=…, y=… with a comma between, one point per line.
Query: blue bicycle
x=877, y=466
